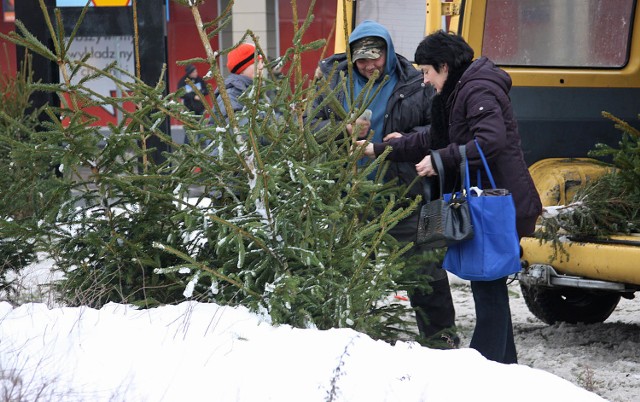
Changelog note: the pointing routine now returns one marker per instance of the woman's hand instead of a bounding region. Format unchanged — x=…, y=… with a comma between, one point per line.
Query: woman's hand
x=393, y=135
x=368, y=150
x=425, y=168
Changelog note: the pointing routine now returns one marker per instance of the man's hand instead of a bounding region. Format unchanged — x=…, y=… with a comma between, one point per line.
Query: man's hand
x=425, y=168
x=362, y=125
x=368, y=150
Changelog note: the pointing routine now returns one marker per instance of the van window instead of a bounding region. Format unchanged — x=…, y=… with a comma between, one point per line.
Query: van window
x=405, y=21
x=552, y=33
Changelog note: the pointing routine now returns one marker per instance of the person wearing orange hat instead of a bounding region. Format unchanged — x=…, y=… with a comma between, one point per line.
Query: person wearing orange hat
x=243, y=64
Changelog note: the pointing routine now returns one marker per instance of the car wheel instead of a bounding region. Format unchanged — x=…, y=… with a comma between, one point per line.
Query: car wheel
x=569, y=305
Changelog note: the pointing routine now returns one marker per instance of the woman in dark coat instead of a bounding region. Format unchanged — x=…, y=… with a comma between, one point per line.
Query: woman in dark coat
x=472, y=103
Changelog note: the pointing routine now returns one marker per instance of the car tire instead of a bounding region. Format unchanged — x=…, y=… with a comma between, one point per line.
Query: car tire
x=570, y=305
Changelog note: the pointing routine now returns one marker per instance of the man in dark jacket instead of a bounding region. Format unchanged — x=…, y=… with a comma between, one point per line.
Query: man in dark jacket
x=401, y=107
x=190, y=98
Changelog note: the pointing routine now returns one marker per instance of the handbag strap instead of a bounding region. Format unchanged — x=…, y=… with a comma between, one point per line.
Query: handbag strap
x=437, y=161
x=486, y=165
x=464, y=167
x=426, y=189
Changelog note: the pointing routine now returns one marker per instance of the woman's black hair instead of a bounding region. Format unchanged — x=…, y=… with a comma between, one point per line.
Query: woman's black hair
x=440, y=47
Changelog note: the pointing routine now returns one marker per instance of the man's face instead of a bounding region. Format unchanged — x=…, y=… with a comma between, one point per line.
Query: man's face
x=255, y=68
x=367, y=67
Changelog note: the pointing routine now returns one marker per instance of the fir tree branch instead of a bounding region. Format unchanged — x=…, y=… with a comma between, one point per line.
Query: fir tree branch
x=205, y=268
x=248, y=236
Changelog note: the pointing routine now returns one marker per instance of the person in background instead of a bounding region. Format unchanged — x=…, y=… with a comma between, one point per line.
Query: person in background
x=401, y=107
x=472, y=103
x=273, y=75
x=243, y=65
x=190, y=98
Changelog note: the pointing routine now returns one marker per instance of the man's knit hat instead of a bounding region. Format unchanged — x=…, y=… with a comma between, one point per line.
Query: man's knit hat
x=240, y=58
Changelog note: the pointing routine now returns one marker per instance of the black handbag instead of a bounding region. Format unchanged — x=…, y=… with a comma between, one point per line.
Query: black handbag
x=445, y=220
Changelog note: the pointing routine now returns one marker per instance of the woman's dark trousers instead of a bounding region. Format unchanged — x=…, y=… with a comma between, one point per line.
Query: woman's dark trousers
x=493, y=334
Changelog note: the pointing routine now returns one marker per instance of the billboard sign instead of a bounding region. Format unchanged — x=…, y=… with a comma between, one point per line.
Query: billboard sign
x=8, y=10
x=96, y=3
x=102, y=51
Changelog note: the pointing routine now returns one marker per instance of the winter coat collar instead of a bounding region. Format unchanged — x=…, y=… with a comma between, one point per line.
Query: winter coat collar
x=485, y=69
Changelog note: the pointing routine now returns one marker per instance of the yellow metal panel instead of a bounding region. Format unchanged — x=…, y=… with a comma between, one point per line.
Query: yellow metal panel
x=436, y=9
x=344, y=17
x=558, y=179
x=629, y=77
x=433, y=20
x=454, y=20
x=473, y=24
x=609, y=262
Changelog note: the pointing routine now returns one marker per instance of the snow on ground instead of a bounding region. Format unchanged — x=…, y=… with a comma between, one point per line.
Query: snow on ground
x=198, y=351
x=604, y=358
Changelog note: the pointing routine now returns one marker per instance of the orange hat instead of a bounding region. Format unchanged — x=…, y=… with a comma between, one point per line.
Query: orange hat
x=240, y=58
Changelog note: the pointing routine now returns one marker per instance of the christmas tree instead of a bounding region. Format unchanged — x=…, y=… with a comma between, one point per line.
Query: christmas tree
x=283, y=222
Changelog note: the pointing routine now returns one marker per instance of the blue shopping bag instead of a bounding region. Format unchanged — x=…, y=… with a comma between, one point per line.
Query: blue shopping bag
x=494, y=250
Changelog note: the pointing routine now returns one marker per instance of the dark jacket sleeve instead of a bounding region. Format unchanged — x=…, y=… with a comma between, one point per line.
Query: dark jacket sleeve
x=411, y=147
x=322, y=111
